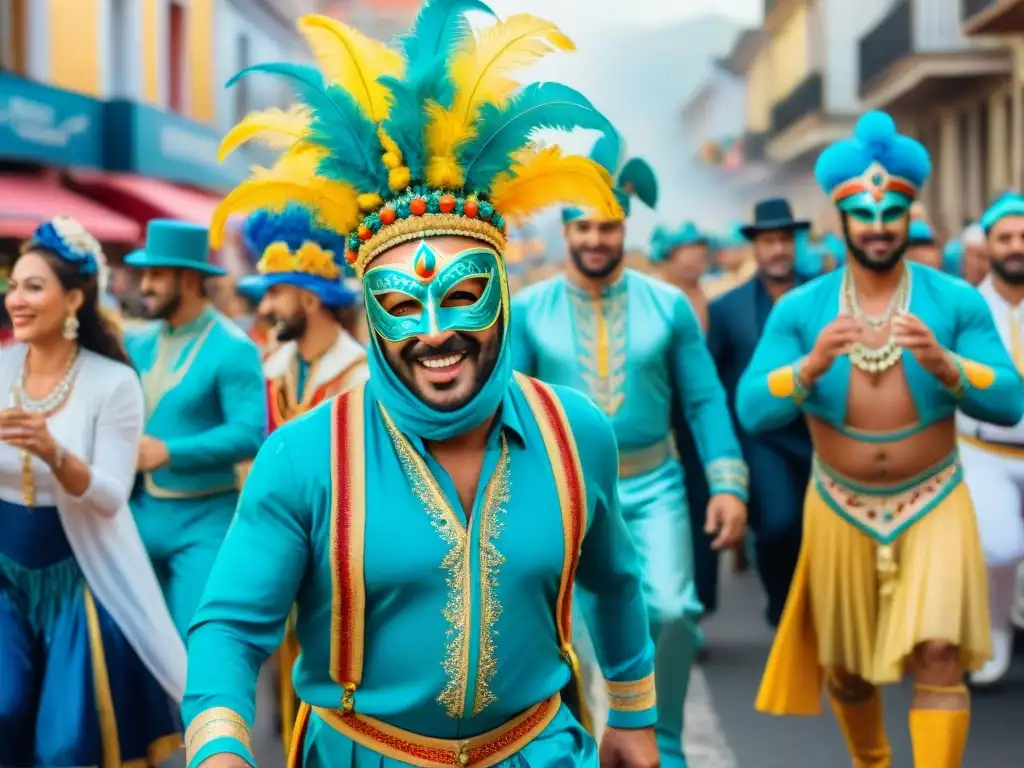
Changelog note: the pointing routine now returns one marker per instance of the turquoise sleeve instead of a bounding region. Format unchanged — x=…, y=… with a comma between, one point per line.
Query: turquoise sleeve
x=769, y=393
x=990, y=386
x=524, y=356
x=705, y=405
x=243, y=398
x=248, y=597
x=609, y=570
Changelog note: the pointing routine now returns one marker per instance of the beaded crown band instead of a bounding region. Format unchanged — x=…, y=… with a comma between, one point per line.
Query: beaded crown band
x=434, y=138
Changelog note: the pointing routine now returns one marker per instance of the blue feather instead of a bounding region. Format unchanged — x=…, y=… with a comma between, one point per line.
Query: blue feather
x=502, y=131
x=608, y=151
x=440, y=27
x=639, y=177
x=339, y=125
x=293, y=226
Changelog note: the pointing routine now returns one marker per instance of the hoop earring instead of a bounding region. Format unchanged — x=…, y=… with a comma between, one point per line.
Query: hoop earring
x=70, y=329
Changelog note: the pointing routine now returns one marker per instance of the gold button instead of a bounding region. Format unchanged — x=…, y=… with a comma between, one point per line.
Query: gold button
x=463, y=755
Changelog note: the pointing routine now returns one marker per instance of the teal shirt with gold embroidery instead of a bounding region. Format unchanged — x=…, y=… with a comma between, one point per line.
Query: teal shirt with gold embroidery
x=205, y=399
x=633, y=348
x=459, y=631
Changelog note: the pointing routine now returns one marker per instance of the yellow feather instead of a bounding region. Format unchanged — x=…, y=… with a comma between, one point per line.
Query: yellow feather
x=353, y=61
x=291, y=180
x=276, y=128
x=480, y=71
x=444, y=133
x=550, y=178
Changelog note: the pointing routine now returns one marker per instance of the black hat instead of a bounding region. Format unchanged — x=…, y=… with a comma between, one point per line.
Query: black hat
x=772, y=214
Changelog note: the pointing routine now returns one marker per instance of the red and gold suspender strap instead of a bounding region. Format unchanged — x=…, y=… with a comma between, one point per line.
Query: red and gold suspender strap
x=572, y=499
x=348, y=532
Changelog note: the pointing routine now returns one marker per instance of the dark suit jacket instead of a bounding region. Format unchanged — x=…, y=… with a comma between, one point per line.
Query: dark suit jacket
x=735, y=322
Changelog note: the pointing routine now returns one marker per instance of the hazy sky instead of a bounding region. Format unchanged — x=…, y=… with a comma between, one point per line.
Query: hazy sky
x=572, y=17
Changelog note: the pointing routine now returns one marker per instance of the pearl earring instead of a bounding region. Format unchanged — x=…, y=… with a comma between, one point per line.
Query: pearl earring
x=70, y=330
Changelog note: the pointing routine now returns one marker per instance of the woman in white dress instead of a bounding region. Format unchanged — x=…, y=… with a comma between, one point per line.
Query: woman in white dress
x=91, y=667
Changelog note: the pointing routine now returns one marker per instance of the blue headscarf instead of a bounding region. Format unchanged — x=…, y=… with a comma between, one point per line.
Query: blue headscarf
x=1007, y=204
x=664, y=241
x=71, y=242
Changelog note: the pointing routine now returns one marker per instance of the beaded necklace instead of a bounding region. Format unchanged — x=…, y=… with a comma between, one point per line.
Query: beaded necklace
x=45, y=406
x=876, y=359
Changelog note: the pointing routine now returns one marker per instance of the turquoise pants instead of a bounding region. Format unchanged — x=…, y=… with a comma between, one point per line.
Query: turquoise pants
x=183, y=537
x=655, y=511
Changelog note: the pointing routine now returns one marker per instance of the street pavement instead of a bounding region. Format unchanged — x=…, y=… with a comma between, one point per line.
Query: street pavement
x=724, y=731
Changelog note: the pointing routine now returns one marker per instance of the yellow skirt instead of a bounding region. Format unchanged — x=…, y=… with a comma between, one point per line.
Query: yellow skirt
x=837, y=616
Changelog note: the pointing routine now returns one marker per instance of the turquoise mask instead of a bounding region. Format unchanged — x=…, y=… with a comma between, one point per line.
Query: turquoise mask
x=866, y=209
x=428, y=279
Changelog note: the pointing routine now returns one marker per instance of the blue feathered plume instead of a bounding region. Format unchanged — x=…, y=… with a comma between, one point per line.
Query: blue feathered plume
x=503, y=131
x=339, y=126
x=637, y=177
x=440, y=27
x=293, y=226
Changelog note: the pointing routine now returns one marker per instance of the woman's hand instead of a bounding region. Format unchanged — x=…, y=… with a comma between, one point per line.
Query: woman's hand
x=29, y=432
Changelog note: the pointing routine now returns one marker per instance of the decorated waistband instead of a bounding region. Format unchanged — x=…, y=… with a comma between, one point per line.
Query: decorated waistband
x=644, y=460
x=885, y=511
x=487, y=749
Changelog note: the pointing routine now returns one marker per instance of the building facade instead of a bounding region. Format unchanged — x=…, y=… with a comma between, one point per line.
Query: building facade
x=120, y=104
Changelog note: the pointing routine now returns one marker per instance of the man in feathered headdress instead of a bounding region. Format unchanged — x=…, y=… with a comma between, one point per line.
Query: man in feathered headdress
x=430, y=523
x=878, y=357
x=993, y=455
x=634, y=345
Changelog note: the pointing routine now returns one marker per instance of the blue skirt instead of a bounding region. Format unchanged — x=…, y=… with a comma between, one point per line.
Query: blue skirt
x=73, y=692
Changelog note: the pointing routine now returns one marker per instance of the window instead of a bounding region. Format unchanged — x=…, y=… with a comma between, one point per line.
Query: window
x=177, y=57
x=243, y=59
x=120, y=40
x=12, y=37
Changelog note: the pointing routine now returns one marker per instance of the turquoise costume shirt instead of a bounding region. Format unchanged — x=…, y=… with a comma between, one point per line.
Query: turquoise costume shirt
x=632, y=349
x=769, y=395
x=459, y=629
x=205, y=398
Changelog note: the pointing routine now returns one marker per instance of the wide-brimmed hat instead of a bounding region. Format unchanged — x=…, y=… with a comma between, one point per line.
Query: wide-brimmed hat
x=772, y=214
x=175, y=245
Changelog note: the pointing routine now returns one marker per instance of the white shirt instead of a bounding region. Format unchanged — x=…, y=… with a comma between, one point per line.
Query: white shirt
x=101, y=423
x=1009, y=320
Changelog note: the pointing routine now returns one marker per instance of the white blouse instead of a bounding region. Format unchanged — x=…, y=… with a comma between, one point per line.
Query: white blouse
x=101, y=423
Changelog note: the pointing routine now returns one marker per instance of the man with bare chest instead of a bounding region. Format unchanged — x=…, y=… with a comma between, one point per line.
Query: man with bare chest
x=891, y=576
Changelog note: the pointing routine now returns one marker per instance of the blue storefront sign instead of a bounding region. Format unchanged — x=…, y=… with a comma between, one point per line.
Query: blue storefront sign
x=46, y=125
x=147, y=141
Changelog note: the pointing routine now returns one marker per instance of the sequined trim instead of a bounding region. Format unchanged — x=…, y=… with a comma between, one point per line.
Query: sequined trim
x=457, y=611
x=491, y=560
x=632, y=696
x=348, y=532
x=215, y=723
x=727, y=475
x=601, y=338
x=483, y=751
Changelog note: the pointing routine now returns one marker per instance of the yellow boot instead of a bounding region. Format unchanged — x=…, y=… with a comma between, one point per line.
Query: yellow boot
x=939, y=737
x=863, y=728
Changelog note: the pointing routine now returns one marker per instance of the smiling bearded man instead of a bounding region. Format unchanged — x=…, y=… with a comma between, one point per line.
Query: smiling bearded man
x=430, y=524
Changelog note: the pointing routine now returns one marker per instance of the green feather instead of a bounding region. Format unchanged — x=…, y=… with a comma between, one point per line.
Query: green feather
x=640, y=178
x=502, y=131
x=338, y=124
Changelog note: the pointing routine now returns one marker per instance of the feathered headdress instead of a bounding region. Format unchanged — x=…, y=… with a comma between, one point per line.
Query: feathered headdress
x=435, y=138
x=632, y=178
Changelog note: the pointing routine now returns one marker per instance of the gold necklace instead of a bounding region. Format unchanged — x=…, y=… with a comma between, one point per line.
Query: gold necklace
x=876, y=359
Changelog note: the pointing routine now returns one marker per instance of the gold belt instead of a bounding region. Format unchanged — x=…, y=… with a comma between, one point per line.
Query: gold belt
x=481, y=751
x=644, y=460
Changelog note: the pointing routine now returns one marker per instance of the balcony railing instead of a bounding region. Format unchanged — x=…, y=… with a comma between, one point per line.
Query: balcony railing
x=754, y=144
x=891, y=40
x=807, y=98
x=971, y=8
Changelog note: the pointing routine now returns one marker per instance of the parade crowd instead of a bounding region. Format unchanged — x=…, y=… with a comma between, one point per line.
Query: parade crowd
x=440, y=507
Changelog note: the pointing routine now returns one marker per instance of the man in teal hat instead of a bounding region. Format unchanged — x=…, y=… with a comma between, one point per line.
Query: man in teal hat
x=921, y=245
x=733, y=265
x=682, y=256
x=878, y=357
x=206, y=412
x=993, y=455
x=634, y=345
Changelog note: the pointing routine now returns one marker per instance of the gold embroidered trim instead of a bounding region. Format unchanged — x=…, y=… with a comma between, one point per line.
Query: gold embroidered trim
x=727, y=472
x=491, y=560
x=455, y=562
x=632, y=696
x=601, y=338
x=427, y=225
x=215, y=723
x=162, y=375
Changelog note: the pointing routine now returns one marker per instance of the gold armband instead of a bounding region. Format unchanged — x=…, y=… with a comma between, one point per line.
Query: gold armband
x=634, y=696
x=215, y=723
x=785, y=382
x=974, y=374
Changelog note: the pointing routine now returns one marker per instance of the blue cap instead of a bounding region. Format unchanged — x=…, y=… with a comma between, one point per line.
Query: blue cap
x=664, y=241
x=920, y=233
x=1008, y=204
